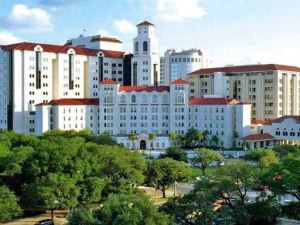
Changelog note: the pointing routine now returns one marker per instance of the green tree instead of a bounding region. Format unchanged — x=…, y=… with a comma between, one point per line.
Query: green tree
x=215, y=141
x=163, y=172
x=9, y=207
x=131, y=209
x=284, y=177
x=82, y=216
x=152, y=137
x=52, y=192
x=192, y=138
x=174, y=137
x=133, y=137
x=199, y=207
x=205, y=157
x=235, y=138
x=91, y=190
x=263, y=158
x=205, y=137
x=176, y=153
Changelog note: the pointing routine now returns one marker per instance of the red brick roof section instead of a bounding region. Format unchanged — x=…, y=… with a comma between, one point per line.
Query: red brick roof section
x=257, y=137
x=281, y=119
x=72, y=101
x=257, y=121
x=108, y=81
x=144, y=88
x=179, y=81
x=246, y=68
x=209, y=101
x=63, y=49
x=107, y=39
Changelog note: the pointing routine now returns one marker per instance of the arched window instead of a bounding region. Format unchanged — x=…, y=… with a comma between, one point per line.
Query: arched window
x=179, y=99
x=122, y=99
x=136, y=46
x=133, y=99
x=165, y=99
x=144, y=99
x=145, y=46
x=154, y=99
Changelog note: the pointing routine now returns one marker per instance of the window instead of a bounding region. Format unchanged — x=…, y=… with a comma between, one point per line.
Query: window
x=38, y=69
x=71, y=71
x=136, y=46
x=122, y=99
x=144, y=99
x=133, y=99
x=145, y=46
x=154, y=99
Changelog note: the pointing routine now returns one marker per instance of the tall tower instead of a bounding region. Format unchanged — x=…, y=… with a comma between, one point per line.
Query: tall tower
x=145, y=62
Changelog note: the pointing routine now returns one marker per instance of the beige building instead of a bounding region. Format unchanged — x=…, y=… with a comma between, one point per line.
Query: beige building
x=273, y=90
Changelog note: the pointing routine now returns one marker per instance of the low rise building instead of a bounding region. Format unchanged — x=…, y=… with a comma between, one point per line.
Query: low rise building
x=142, y=110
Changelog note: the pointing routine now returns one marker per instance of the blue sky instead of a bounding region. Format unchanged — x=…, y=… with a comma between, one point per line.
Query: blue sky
x=227, y=31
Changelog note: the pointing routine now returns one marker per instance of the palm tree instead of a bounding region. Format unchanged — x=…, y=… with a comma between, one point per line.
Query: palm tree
x=215, y=140
x=133, y=137
x=205, y=137
x=235, y=137
x=173, y=136
x=152, y=137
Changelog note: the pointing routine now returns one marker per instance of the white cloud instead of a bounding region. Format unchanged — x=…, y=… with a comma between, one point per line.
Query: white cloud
x=179, y=10
x=103, y=32
x=27, y=19
x=8, y=38
x=124, y=26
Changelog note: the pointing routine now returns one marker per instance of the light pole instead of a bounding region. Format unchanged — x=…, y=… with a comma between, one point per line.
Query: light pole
x=175, y=183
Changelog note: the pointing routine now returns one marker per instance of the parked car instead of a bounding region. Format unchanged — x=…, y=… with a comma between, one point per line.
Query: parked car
x=45, y=222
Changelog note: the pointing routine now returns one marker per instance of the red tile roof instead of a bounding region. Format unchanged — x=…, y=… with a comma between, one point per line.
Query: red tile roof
x=63, y=49
x=246, y=68
x=211, y=101
x=257, y=121
x=145, y=23
x=179, y=81
x=257, y=137
x=144, y=88
x=281, y=119
x=106, y=39
x=73, y=101
x=108, y=81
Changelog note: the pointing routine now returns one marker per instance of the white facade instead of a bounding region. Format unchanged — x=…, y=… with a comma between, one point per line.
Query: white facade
x=145, y=62
x=33, y=73
x=124, y=110
x=177, y=64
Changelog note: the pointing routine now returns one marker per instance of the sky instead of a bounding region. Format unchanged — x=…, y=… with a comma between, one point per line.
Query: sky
x=229, y=32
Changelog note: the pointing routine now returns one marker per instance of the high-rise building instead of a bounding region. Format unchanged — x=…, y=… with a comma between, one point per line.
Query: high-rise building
x=177, y=64
x=145, y=69
x=273, y=90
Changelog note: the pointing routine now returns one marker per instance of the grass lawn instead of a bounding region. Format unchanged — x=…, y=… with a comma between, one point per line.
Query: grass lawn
x=197, y=172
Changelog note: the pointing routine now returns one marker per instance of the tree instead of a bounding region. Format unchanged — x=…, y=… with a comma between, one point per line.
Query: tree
x=284, y=178
x=152, y=138
x=134, y=209
x=176, y=153
x=9, y=207
x=199, y=207
x=82, y=216
x=133, y=137
x=163, y=172
x=205, y=137
x=192, y=137
x=235, y=137
x=205, y=157
x=91, y=190
x=214, y=140
x=263, y=158
x=52, y=192
x=174, y=137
